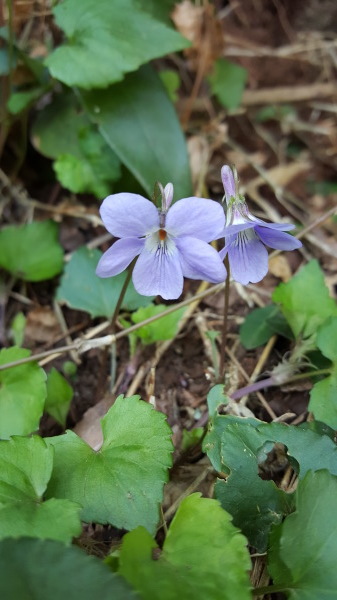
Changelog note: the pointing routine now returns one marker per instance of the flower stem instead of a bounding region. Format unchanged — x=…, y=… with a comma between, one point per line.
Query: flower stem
x=225, y=323
x=122, y=294
x=272, y=381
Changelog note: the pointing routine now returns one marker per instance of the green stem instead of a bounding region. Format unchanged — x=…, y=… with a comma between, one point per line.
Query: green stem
x=309, y=374
x=122, y=294
x=224, y=325
x=274, y=382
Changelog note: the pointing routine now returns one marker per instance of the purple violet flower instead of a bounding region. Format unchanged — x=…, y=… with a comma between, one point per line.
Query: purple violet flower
x=171, y=242
x=246, y=236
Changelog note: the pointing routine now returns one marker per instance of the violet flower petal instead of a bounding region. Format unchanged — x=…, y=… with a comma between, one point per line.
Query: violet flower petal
x=200, y=261
x=228, y=182
x=119, y=256
x=159, y=273
x=278, y=226
x=233, y=229
x=248, y=260
x=277, y=239
x=128, y=215
x=196, y=217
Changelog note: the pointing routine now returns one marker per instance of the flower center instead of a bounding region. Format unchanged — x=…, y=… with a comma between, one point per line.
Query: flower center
x=159, y=241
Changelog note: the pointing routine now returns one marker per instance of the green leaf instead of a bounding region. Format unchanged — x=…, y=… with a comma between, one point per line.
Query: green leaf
x=191, y=437
x=275, y=112
x=5, y=66
x=171, y=81
x=84, y=162
x=203, y=556
x=163, y=329
x=326, y=339
x=228, y=82
x=236, y=446
x=323, y=400
x=128, y=37
x=323, y=396
x=25, y=468
x=17, y=328
x=159, y=10
x=19, y=101
x=258, y=326
x=46, y=569
x=303, y=554
x=31, y=252
x=122, y=483
x=305, y=300
x=57, y=127
x=139, y=123
x=90, y=176
x=22, y=394
x=59, y=396
x=216, y=397
x=81, y=288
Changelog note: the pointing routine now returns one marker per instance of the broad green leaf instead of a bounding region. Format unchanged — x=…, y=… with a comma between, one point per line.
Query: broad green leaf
x=84, y=162
x=323, y=396
x=163, y=329
x=159, y=10
x=81, y=288
x=259, y=326
x=128, y=37
x=22, y=394
x=302, y=560
x=227, y=82
x=45, y=569
x=25, y=468
x=31, y=251
x=122, y=483
x=92, y=174
x=56, y=128
x=237, y=446
x=204, y=556
x=139, y=123
x=305, y=300
x=59, y=396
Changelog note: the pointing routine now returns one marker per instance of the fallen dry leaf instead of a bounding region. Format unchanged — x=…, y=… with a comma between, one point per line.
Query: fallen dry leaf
x=200, y=25
x=279, y=266
x=41, y=326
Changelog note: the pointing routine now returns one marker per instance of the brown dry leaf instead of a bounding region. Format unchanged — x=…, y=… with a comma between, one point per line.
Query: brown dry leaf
x=188, y=20
x=89, y=427
x=240, y=160
x=279, y=267
x=280, y=175
x=22, y=11
x=199, y=155
x=42, y=325
x=201, y=27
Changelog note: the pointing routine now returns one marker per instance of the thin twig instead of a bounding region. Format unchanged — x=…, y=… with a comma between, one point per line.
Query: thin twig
x=83, y=345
